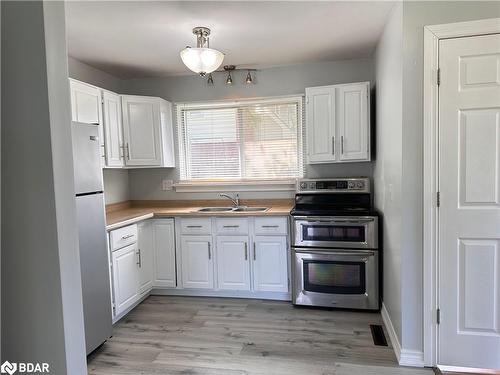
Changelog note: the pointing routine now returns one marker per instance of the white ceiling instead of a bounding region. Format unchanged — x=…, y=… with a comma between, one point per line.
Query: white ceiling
x=143, y=38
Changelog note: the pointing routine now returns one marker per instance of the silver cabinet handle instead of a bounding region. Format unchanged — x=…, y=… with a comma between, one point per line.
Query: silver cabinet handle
x=270, y=226
x=128, y=152
x=342, y=145
x=254, y=252
x=122, y=152
x=230, y=226
x=246, y=251
x=209, y=252
x=333, y=145
x=127, y=236
x=139, y=263
x=193, y=226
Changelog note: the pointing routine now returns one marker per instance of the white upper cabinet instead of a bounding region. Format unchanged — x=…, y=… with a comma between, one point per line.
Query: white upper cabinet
x=147, y=131
x=352, y=115
x=320, y=124
x=338, y=123
x=112, y=116
x=86, y=107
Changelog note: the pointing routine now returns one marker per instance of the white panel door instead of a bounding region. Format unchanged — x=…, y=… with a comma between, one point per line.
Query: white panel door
x=197, y=262
x=112, y=116
x=141, y=130
x=233, y=266
x=146, y=256
x=164, y=253
x=270, y=268
x=352, y=121
x=320, y=124
x=86, y=106
x=469, y=216
x=125, y=277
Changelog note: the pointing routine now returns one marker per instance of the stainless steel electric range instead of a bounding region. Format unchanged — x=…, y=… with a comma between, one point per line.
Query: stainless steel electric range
x=335, y=254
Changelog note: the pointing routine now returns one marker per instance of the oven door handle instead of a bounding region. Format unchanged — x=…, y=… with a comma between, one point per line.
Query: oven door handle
x=330, y=252
x=346, y=221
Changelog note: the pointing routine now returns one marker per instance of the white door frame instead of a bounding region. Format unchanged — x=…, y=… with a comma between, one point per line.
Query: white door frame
x=432, y=35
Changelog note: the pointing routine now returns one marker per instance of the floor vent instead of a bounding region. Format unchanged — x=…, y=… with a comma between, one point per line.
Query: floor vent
x=378, y=335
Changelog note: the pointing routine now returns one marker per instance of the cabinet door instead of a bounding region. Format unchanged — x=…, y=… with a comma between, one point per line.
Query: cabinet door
x=112, y=115
x=141, y=130
x=320, y=124
x=146, y=260
x=86, y=107
x=270, y=269
x=164, y=253
x=125, y=277
x=197, y=262
x=233, y=267
x=352, y=121
x=167, y=136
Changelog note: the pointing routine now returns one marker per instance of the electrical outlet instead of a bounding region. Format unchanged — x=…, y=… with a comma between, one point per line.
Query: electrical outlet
x=167, y=185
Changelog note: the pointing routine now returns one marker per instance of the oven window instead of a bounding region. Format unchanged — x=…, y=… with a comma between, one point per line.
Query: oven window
x=334, y=277
x=343, y=233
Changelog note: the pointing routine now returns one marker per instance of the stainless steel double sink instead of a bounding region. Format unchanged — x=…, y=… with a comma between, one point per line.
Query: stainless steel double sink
x=231, y=209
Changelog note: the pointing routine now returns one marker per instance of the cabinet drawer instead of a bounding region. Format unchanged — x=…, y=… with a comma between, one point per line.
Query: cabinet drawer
x=123, y=237
x=271, y=225
x=196, y=226
x=232, y=225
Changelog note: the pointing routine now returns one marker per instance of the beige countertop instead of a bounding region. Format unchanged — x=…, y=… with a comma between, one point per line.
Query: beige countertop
x=130, y=212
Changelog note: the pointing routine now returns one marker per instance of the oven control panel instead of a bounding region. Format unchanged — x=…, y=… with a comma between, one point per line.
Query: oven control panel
x=354, y=185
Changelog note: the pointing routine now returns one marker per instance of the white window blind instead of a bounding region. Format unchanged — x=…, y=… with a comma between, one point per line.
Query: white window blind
x=247, y=140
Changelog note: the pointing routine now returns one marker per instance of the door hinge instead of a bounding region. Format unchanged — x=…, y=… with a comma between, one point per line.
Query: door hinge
x=438, y=199
x=438, y=316
x=438, y=77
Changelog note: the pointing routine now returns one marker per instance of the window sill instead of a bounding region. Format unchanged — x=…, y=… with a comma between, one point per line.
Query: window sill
x=216, y=186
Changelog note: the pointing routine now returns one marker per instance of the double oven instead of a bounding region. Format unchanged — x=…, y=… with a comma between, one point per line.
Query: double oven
x=335, y=255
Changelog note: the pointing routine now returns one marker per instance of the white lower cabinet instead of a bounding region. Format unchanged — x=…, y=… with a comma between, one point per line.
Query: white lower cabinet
x=197, y=262
x=233, y=267
x=125, y=277
x=145, y=252
x=270, y=271
x=164, y=253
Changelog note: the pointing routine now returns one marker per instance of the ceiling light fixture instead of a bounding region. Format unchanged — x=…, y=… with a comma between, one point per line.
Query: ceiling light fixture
x=202, y=59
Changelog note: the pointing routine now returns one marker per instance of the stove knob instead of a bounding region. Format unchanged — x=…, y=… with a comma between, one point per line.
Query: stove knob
x=350, y=185
x=303, y=185
x=360, y=185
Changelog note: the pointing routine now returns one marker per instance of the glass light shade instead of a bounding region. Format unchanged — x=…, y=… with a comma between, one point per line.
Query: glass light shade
x=202, y=60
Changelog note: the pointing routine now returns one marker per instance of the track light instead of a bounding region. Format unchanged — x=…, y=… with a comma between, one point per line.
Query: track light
x=210, y=80
x=248, y=80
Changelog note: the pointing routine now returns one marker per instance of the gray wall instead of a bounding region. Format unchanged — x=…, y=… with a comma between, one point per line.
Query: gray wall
x=116, y=185
x=388, y=166
x=89, y=74
x=42, y=318
x=287, y=80
x=415, y=16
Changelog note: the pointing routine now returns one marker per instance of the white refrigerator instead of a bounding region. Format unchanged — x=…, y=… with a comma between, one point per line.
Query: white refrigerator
x=94, y=261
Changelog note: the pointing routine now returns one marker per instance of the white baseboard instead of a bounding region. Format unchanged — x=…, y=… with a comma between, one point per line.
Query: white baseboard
x=279, y=296
x=405, y=357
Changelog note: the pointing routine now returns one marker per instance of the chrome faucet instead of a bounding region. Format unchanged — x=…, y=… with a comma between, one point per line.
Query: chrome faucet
x=235, y=200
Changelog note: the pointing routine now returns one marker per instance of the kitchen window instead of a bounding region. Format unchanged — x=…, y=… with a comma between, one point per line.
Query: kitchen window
x=245, y=141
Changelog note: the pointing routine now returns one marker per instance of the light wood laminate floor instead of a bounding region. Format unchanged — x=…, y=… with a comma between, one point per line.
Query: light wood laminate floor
x=193, y=335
